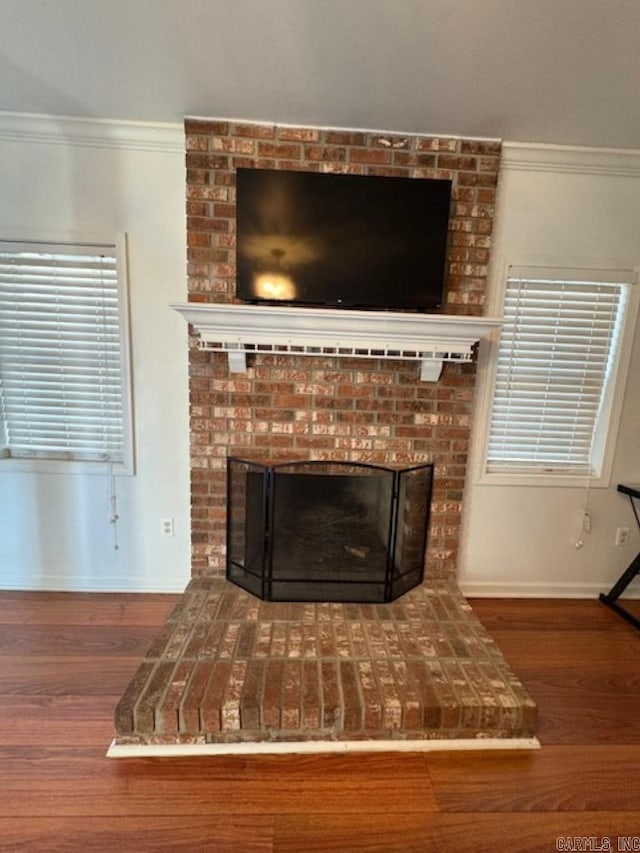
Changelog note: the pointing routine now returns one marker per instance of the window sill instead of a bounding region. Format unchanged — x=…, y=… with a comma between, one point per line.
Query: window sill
x=549, y=479
x=63, y=466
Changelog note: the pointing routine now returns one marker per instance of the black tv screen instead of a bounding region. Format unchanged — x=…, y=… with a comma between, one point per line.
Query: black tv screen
x=341, y=240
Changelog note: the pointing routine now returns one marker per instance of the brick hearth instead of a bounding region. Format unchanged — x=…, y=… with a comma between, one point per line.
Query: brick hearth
x=229, y=668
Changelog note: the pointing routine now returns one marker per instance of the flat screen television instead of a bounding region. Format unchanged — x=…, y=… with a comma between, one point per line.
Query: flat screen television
x=355, y=241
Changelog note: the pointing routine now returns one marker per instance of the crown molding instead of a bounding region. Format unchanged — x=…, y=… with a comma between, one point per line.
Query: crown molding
x=92, y=133
x=164, y=137
x=529, y=157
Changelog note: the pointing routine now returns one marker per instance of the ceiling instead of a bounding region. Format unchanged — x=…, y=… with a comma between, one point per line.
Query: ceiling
x=551, y=71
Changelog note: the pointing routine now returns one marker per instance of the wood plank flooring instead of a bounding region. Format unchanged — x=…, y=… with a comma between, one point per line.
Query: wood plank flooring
x=66, y=658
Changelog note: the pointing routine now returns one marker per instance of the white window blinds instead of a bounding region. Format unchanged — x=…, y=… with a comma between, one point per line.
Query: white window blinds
x=62, y=388
x=555, y=367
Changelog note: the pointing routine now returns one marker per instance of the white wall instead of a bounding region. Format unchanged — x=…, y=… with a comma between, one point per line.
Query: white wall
x=564, y=204
x=103, y=176
x=108, y=177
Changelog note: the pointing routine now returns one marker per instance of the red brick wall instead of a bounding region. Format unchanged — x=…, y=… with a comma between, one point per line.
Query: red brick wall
x=363, y=410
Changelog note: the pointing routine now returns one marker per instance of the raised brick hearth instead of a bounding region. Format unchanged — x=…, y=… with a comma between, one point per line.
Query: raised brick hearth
x=229, y=668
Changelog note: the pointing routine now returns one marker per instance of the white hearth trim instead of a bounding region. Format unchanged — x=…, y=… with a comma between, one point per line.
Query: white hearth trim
x=117, y=750
x=241, y=329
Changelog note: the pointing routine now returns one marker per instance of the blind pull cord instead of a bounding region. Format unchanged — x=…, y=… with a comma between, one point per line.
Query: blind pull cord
x=113, y=506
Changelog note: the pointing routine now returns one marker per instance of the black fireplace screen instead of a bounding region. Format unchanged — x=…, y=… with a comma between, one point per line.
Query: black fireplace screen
x=327, y=531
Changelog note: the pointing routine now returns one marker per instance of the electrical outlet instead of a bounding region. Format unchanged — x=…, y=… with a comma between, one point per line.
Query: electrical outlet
x=622, y=536
x=166, y=527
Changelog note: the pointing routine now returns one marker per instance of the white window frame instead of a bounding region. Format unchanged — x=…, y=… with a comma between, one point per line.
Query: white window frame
x=43, y=464
x=607, y=429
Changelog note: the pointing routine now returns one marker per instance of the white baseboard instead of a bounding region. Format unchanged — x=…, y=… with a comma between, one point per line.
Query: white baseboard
x=173, y=584
x=75, y=583
x=316, y=746
x=482, y=589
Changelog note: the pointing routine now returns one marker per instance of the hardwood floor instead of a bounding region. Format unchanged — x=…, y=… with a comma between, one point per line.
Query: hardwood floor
x=66, y=658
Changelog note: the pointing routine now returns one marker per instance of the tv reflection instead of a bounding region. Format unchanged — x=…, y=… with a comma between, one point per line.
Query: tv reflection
x=271, y=275
x=274, y=285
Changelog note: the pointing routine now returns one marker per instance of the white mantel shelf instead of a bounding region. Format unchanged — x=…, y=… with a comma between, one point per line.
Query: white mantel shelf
x=241, y=329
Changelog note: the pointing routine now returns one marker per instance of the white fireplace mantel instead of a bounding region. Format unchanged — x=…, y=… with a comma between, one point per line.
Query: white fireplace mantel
x=241, y=329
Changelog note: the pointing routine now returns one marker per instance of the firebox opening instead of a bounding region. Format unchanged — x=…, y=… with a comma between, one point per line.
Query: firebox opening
x=327, y=531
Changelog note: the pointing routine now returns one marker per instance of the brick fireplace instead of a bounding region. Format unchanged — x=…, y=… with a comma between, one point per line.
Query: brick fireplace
x=322, y=408
x=230, y=669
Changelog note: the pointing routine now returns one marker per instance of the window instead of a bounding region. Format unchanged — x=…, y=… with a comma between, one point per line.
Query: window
x=64, y=390
x=559, y=371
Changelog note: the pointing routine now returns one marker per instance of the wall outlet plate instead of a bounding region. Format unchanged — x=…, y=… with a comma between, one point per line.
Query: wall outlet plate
x=622, y=536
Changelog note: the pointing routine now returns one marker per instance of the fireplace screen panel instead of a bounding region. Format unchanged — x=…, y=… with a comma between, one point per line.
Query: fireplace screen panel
x=246, y=522
x=327, y=531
